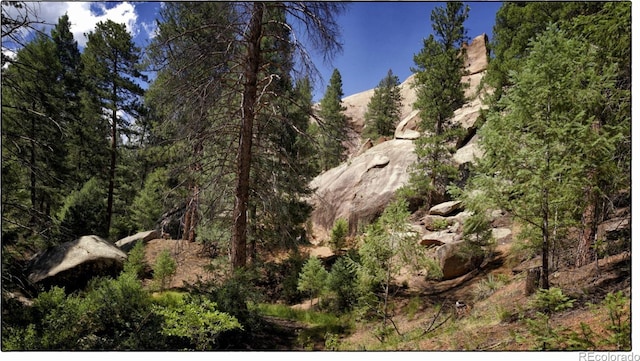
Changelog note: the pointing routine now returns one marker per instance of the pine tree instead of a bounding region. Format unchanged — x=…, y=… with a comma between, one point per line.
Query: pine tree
x=516, y=24
x=388, y=246
x=193, y=107
x=313, y=278
x=111, y=67
x=33, y=130
x=237, y=95
x=383, y=110
x=334, y=124
x=83, y=145
x=607, y=27
x=282, y=167
x=439, y=68
x=323, y=35
x=536, y=161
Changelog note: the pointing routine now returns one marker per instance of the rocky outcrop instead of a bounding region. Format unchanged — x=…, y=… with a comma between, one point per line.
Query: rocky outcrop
x=127, y=243
x=453, y=262
x=359, y=189
x=73, y=264
x=446, y=208
x=406, y=129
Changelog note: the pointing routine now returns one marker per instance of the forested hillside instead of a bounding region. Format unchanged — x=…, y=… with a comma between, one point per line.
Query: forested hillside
x=203, y=158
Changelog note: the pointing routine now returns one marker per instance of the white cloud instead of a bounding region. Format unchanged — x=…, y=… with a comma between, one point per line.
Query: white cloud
x=84, y=16
x=150, y=28
x=83, y=19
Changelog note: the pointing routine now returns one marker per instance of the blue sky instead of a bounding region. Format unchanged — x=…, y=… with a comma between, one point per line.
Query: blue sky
x=376, y=36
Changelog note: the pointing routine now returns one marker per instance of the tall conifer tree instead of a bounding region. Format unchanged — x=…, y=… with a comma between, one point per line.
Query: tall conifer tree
x=439, y=68
x=333, y=129
x=32, y=128
x=536, y=163
x=111, y=66
x=383, y=110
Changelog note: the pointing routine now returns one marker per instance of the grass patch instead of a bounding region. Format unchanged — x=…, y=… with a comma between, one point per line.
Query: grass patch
x=305, y=316
x=324, y=328
x=490, y=285
x=415, y=303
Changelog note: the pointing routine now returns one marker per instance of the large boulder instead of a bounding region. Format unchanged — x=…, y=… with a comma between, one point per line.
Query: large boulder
x=452, y=261
x=468, y=153
x=439, y=238
x=407, y=128
x=446, y=208
x=73, y=264
x=127, y=243
x=359, y=189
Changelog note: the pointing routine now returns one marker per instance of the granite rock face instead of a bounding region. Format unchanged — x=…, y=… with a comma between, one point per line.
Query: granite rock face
x=73, y=264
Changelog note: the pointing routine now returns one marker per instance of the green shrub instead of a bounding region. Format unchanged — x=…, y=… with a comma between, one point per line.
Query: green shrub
x=486, y=287
x=136, y=263
x=339, y=234
x=197, y=320
x=544, y=335
x=163, y=270
x=313, y=277
x=85, y=211
x=342, y=284
x=551, y=300
x=434, y=271
x=619, y=326
x=279, y=280
x=234, y=295
x=112, y=314
x=440, y=224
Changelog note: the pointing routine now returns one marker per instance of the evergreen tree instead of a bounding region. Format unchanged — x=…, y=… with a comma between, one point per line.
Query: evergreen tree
x=439, y=68
x=33, y=133
x=313, y=278
x=193, y=107
x=607, y=27
x=536, y=161
x=111, y=66
x=282, y=166
x=86, y=148
x=383, y=110
x=334, y=124
x=257, y=50
x=516, y=24
x=388, y=246
x=318, y=19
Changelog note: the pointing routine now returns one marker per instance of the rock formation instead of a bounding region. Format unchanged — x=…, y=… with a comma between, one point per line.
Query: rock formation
x=127, y=243
x=73, y=264
x=359, y=189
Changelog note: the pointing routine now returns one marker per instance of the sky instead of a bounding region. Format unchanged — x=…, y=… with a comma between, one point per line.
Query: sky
x=376, y=36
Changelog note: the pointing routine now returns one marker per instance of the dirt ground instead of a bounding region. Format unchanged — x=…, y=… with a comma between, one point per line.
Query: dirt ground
x=492, y=323
x=190, y=259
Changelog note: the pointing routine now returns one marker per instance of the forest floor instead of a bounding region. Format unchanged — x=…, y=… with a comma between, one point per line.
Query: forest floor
x=496, y=320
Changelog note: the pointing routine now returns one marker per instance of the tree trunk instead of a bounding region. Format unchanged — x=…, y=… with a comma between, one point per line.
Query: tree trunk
x=249, y=95
x=32, y=171
x=252, y=251
x=191, y=217
x=533, y=281
x=544, y=276
x=114, y=134
x=589, y=216
x=585, y=252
